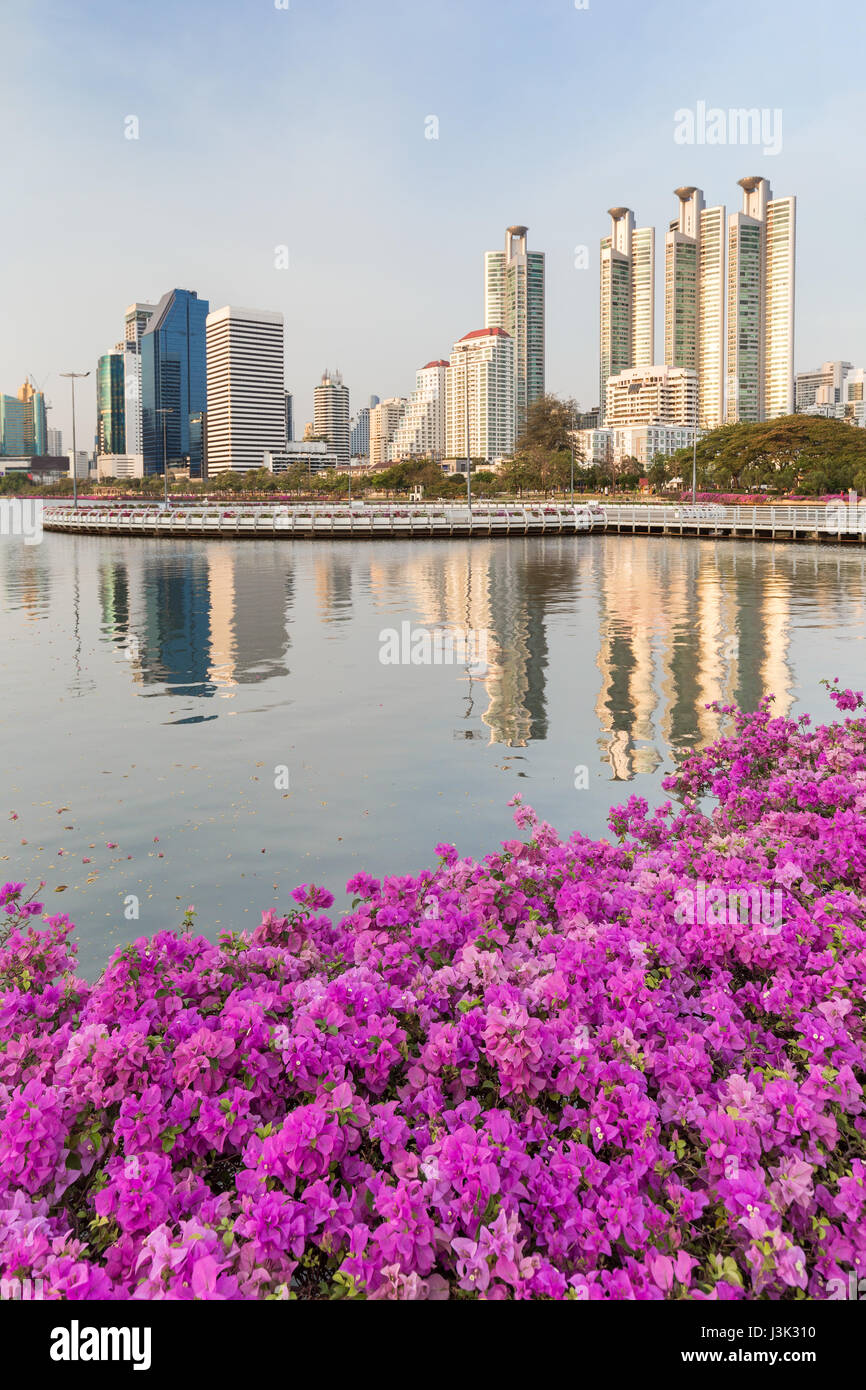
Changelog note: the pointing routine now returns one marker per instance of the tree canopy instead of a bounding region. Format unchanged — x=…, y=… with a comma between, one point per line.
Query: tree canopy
x=801, y=453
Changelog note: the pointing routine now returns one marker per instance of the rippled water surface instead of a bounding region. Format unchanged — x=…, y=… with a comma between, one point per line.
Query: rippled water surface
x=152, y=690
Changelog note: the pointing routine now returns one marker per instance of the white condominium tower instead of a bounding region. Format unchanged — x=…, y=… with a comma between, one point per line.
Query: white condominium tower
x=514, y=301
x=331, y=413
x=627, y=297
x=135, y=321
x=421, y=431
x=384, y=419
x=246, y=391
x=657, y=395
x=695, y=299
x=480, y=379
x=761, y=265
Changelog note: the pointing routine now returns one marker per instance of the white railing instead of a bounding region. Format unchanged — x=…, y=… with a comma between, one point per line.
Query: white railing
x=323, y=519
x=800, y=517
x=445, y=518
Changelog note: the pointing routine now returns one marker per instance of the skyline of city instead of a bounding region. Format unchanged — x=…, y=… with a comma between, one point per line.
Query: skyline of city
x=227, y=385
x=344, y=295
x=733, y=350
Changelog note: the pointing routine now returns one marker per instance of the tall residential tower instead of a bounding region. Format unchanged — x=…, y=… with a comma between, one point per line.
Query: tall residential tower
x=695, y=299
x=627, y=315
x=514, y=302
x=479, y=387
x=421, y=431
x=761, y=266
x=136, y=319
x=332, y=415
x=728, y=302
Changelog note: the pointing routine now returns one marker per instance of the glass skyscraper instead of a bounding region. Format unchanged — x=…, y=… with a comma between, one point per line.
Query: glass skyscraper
x=110, y=404
x=23, y=429
x=174, y=377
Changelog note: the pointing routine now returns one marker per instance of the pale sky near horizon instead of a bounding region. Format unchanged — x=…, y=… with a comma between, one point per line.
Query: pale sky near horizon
x=306, y=127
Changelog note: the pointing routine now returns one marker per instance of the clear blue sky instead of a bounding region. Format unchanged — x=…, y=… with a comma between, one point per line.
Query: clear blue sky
x=306, y=127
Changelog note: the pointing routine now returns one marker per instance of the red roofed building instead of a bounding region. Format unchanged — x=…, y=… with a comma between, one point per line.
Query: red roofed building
x=421, y=431
x=480, y=384
x=485, y=333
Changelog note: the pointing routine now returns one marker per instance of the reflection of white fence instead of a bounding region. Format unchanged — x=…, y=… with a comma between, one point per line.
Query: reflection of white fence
x=808, y=522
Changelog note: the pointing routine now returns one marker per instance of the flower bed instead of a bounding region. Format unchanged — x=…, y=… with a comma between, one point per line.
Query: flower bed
x=538, y=1076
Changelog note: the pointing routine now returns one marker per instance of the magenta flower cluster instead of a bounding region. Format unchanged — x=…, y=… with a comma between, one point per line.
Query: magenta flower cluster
x=529, y=1077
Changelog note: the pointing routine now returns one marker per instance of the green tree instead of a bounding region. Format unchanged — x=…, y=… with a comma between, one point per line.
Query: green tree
x=545, y=444
x=658, y=472
x=803, y=452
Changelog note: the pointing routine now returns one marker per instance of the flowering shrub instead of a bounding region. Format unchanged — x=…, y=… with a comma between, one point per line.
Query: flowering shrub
x=521, y=1078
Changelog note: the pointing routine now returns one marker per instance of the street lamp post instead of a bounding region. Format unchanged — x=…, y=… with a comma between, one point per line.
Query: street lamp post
x=73, y=377
x=695, y=465
x=572, y=453
x=163, y=411
x=466, y=413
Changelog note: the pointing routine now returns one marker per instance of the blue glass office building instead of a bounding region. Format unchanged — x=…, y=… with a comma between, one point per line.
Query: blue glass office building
x=174, y=376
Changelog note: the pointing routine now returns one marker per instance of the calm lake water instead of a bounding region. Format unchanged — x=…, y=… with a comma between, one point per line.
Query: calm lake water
x=153, y=691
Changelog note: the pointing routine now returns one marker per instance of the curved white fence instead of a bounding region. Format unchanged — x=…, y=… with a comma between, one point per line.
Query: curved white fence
x=797, y=522
x=323, y=520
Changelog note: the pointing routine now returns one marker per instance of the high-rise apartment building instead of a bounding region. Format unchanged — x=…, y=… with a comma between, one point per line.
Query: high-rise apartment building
x=246, y=392
x=836, y=390
x=657, y=395
x=421, y=431
x=731, y=324
x=174, y=379
x=332, y=414
x=136, y=319
x=760, y=337
x=695, y=299
x=23, y=429
x=55, y=443
x=514, y=301
x=779, y=260
x=479, y=386
x=711, y=327
x=384, y=421
x=627, y=298
x=822, y=386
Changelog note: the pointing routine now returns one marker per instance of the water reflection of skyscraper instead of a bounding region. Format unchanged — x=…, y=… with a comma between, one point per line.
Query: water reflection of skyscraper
x=681, y=626
x=175, y=640
x=333, y=579
x=115, y=607
x=200, y=621
x=27, y=579
x=483, y=588
x=248, y=603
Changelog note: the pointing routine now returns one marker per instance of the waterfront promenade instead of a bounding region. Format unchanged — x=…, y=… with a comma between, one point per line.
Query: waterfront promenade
x=798, y=522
